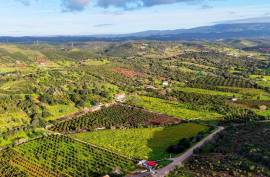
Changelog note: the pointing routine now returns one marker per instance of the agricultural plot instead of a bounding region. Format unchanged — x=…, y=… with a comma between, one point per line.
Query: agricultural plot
x=142, y=143
x=221, y=81
x=48, y=82
x=6, y=165
x=263, y=113
x=249, y=93
x=198, y=65
x=116, y=116
x=57, y=155
x=95, y=62
x=127, y=73
x=267, y=70
x=16, y=87
x=185, y=69
x=6, y=69
x=8, y=138
x=172, y=108
x=11, y=119
x=59, y=110
x=240, y=93
x=261, y=80
x=207, y=92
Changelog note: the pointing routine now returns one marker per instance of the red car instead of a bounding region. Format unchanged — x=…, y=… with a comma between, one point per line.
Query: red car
x=152, y=163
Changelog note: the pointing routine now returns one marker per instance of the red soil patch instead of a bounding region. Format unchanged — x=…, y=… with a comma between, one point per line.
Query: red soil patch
x=164, y=120
x=42, y=61
x=127, y=73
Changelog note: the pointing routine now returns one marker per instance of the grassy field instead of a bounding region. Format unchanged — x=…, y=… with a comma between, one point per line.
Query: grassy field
x=60, y=110
x=172, y=108
x=20, y=135
x=262, y=80
x=13, y=119
x=15, y=49
x=185, y=69
x=208, y=92
x=96, y=62
x=7, y=69
x=14, y=85
x=198, y=65
x=143, y=143
x=267, y=70
x=251, y=93
x=263, y=113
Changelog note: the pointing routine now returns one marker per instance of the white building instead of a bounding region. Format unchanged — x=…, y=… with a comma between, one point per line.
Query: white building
x=120, y=97
x=234, y=99
x=165, y=83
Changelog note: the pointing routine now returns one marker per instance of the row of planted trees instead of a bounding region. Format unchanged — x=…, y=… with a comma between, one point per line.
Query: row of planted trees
x=118, y=116
x=63, y=155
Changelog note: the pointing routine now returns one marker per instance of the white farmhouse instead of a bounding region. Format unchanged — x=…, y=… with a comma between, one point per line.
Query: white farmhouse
x=120, y=97
x=165, y=83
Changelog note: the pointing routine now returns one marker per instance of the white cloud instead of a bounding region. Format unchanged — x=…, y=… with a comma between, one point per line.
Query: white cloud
x=74, y=5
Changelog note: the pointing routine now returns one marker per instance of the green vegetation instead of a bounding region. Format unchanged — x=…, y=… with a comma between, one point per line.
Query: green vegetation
x=13, y=119
x=49, y=88
x=44, y=82
x=142, y=143
x=116, y=116
x=59, y=110
x=20, y=136
x=261, y=80
x=207, y=92
x=172, y=108
x=249, y=93
x=96, y=62
x=7, y=69
x=263, y=113
x=62, y=156
x=238, y=151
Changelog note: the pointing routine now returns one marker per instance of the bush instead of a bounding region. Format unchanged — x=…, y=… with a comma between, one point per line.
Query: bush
x=180, y=147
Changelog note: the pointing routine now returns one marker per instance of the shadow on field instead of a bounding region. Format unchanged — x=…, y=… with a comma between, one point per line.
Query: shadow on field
x=158, y=145
x=171, y=135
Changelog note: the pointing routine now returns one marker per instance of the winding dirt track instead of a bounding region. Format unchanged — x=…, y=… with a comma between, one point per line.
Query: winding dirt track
x=178, y=161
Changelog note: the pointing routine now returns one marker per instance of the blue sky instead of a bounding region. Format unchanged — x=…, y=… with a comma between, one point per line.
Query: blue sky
x=86, y=17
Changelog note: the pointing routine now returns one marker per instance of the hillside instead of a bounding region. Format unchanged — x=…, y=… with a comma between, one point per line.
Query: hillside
x=97, y=108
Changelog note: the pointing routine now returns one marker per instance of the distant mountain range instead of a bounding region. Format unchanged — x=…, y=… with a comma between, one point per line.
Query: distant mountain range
x=220, y=31
x=236, y=30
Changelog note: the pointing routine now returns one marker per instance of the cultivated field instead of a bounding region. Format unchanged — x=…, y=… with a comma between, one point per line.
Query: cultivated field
x=172, y=91
x=142, y=143
x=62, y=156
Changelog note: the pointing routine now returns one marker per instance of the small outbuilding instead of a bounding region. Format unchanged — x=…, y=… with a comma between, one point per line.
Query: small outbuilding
x=120, y=97
x=165, y=83
x=263, y=107
x=234, y=99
